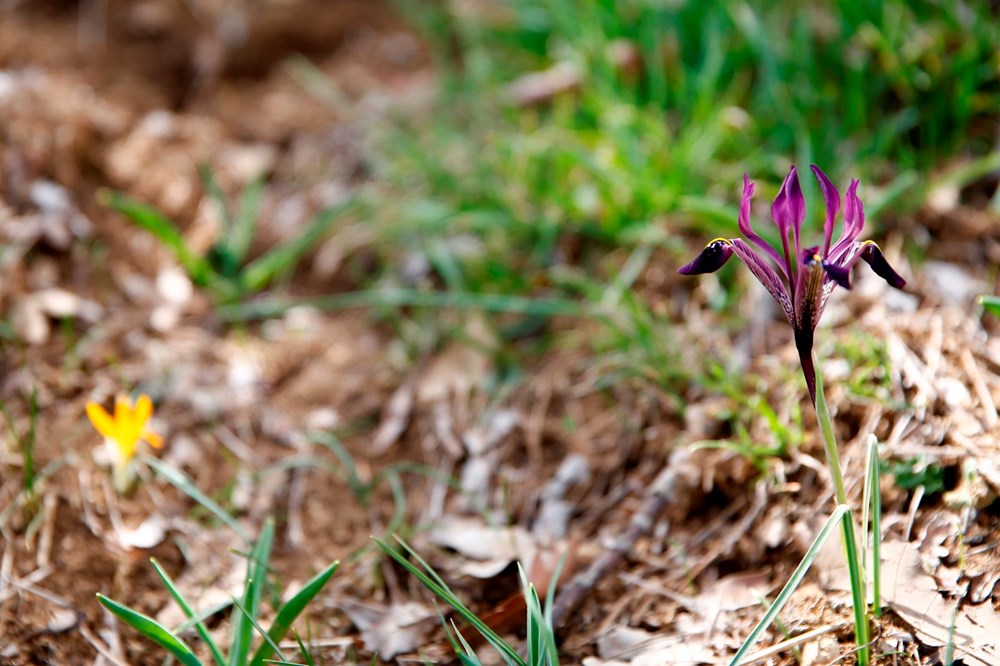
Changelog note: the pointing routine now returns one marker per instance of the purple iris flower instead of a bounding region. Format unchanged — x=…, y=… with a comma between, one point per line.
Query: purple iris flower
x=800, y=279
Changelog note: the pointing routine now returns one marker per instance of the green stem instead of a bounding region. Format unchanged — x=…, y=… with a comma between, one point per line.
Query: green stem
x=854, y=564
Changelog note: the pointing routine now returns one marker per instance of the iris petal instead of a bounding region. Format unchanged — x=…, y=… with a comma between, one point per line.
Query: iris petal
x=840, y=274
x=832, y=198
x=711, y=259
x=788, y=211
x=747, y=229
x=871, y=253
x=766, y=275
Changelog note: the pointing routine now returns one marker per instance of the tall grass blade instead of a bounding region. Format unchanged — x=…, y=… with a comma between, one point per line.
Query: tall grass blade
x=251, y=620
x=183, y=482
x=835, y=519
x=244, y=616
x=433, y=582
x=876, y=506
x=152, y=630
x=290, y=611
x=199, y=626
x=245, y=222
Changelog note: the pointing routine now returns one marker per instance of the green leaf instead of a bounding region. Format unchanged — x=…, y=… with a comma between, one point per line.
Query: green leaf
x=991, y=304
x=291, y=610
x=245, y=613
x=260, y=630
x=152, y=630
x=265, y=268
x=164, y=230
x=184, y=483
x=786, y=592
x=189, y=612
x=433, y=582
x=245, y=222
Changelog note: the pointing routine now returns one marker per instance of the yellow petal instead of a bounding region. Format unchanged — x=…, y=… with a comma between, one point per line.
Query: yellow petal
x=102, y=420
x=143, y=410
x=123, y=410
x=154, y=439
x=128, y=429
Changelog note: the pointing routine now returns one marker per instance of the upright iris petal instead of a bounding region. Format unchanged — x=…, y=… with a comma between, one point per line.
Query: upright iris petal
x=801, y=281
x=788, y=211
x=832, y=198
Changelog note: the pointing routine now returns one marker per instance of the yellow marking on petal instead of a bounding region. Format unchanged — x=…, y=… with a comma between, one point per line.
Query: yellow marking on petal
x=101, y=420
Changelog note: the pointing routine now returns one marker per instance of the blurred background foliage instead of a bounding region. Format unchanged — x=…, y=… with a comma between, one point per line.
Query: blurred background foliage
x=570, y=144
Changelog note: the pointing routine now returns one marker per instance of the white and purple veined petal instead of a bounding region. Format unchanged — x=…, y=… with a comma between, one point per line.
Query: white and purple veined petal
x=767, y=276
x=746, y=228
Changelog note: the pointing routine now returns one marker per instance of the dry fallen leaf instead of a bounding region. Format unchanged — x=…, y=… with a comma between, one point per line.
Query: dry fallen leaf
x=492, y=548
x=913, y=594
x=391, y=630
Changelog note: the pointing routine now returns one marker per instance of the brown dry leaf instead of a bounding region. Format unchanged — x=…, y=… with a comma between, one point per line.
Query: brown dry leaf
x=913, y=594
x=492, y=548
x=638, y=647
x=395, y=418
x=391, y=630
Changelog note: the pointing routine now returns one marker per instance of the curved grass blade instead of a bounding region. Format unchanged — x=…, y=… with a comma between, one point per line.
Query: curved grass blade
x=786, y=592
x=433, y=582
x=152, y=630
x=183, y=482
x=290, y=611
x=259, y=272
x=199, y=626
x=163, y=229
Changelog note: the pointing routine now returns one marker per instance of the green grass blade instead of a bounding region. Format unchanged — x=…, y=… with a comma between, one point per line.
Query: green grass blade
x=303, y=650
x=291, y=610
x=265, y=268
x=183, y=482
x=164, y=230
x=434, y=583
x=835, y=519
x=535, y=307
x=874, y=471
x=245, y=223
x=201, y=616
x=991, y=304
x=250, y=620
x=152, y=630
x=199, y=626
x=245, y=613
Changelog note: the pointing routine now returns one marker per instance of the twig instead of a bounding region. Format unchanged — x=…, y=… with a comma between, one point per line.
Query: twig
x=793, y=642
x=673, y=481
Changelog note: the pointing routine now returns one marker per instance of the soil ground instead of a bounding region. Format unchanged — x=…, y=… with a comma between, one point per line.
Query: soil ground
x=134, y=96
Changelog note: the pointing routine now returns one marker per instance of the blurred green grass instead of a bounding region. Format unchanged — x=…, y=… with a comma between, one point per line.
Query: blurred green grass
x=577, y=196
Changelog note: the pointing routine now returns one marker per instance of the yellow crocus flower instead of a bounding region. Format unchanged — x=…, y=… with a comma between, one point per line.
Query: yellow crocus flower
x=123, y=432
